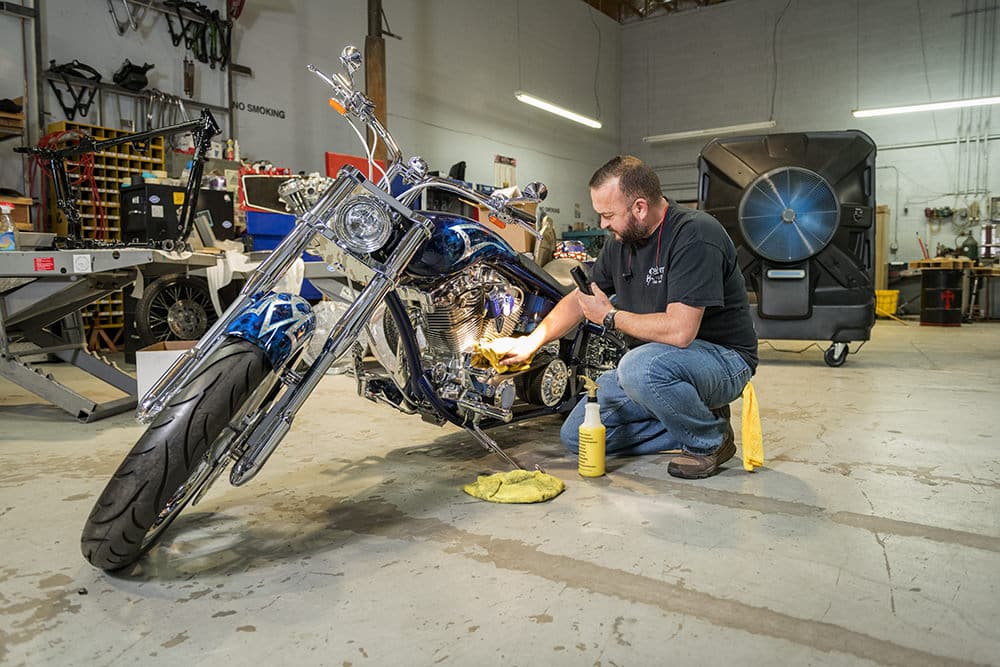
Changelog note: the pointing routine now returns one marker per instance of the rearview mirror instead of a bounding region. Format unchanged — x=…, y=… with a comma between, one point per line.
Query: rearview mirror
x=350, y=58
x=535, y=190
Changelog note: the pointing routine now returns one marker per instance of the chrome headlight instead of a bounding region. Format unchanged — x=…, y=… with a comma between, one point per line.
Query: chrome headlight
x=363, y=224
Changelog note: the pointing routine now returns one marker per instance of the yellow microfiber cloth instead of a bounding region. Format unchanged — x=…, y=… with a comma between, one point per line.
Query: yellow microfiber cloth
x=484, y=356
x=753, y=440
x=516, y=486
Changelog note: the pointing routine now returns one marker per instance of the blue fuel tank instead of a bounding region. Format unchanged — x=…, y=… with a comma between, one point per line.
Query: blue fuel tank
x=456, y=243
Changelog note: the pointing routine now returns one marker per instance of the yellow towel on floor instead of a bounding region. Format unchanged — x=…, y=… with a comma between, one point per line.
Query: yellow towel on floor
x=484, y=356
x=753, y=440
x=516, y=486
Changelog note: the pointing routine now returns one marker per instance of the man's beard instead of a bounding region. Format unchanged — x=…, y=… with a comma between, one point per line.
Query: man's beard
x=633, y=232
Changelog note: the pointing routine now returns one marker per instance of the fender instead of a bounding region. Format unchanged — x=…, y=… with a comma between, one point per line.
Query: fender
x=278, y=323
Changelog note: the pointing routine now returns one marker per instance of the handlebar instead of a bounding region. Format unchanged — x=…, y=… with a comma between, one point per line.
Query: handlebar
x=501, y=209
x=345, y=100
x=350, y=102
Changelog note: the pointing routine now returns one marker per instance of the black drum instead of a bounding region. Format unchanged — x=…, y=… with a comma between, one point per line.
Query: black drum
x=941, y=298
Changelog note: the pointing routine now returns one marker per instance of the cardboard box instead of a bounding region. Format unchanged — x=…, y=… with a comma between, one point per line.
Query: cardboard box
x=519, y=238
x=21, y=215
x=152, y=362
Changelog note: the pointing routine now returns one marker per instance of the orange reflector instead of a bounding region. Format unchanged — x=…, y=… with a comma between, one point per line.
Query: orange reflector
x=338, y=107
x=498, y=222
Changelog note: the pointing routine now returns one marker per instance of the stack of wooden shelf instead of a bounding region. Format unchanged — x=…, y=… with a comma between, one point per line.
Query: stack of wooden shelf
x=952, y=263
x=11, y=124
x=104, y=320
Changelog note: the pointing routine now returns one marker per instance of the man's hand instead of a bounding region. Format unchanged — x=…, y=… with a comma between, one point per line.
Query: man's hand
x=514, y=350
x=594, y=307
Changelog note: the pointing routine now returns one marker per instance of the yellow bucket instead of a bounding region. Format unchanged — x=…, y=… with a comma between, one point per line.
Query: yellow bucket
x=886, y=302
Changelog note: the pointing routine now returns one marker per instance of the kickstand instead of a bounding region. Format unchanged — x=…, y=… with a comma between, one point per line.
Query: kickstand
x=491, y=445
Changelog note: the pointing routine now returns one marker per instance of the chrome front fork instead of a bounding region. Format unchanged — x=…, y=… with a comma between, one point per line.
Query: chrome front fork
x=278, y=420
x=264, y=278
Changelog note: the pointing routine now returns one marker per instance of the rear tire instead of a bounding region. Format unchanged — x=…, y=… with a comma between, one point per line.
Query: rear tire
x=162, y=463
x=174, y=307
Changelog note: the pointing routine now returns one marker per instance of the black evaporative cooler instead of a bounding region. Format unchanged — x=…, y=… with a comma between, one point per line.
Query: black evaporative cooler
x=800, y=208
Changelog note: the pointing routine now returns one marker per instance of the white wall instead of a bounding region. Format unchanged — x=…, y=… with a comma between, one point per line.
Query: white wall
x=450, y=86
x=452, y=77
x=74, y=29
x=451, y=81
x=713, y=67
x=16, y=80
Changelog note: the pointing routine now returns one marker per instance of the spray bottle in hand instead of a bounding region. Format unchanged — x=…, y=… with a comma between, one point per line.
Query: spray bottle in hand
x=591, y=455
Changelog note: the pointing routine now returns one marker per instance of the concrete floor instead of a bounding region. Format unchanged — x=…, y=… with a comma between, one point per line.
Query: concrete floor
x=871, y=537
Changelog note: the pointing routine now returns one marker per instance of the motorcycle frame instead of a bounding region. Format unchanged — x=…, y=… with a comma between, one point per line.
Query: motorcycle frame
x=204, y=128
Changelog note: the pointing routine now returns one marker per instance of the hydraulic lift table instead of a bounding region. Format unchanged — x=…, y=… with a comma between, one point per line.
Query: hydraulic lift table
x=39, y=289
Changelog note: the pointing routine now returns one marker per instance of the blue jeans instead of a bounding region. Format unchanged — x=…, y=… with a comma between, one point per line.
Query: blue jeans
x=660, y=397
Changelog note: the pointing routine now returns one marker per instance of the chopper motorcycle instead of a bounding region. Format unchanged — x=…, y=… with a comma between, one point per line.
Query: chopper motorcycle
x=435, y=285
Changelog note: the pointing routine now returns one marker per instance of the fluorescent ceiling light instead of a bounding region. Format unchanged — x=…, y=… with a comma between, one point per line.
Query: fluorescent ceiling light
x=930, y=106
x=710, y=132
x=557, y=110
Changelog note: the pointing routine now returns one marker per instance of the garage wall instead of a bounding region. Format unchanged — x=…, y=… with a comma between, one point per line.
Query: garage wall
x=713, y=67
x=451, y=83
x=75, y=30
x=16, y=77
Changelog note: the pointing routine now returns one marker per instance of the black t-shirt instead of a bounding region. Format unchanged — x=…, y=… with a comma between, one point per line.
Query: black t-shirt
x=689, y=259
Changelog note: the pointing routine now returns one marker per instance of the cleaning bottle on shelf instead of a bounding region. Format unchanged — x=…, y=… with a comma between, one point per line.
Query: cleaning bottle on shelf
x=591, y=456
x=8, y=232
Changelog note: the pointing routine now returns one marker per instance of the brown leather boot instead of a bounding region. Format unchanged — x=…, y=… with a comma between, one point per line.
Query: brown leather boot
x=699, y=466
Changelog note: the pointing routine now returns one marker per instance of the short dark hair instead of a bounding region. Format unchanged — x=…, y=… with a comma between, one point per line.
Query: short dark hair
x=635, y=179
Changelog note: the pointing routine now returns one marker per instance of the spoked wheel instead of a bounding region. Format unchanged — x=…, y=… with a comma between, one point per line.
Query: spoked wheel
x=174, y=307
x=836, y=354
x=175, y=460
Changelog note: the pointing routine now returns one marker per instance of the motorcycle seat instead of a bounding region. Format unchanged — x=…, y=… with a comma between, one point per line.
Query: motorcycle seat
x=556, y=273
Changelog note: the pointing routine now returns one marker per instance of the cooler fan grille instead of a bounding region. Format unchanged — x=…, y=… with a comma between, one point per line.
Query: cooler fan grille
x=789, y=214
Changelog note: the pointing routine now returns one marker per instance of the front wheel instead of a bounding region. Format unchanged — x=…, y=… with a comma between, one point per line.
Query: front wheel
x=170, y=464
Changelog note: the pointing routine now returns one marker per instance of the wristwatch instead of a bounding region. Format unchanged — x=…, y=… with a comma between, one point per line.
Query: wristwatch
x=609, y=320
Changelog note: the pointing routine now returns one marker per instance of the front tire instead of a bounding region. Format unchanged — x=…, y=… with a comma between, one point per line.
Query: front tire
x=167, y=466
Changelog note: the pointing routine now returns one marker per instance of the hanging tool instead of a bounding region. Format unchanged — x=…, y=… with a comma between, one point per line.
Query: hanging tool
x=208, y=35
x=130, y=22
x=82, y=97
x=188, y=77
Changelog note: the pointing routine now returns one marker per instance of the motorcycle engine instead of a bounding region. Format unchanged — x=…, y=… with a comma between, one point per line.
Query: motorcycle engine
x=478, y=305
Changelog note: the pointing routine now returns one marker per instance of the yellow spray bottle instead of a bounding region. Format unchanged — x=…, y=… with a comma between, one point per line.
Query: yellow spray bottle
x=591, y=456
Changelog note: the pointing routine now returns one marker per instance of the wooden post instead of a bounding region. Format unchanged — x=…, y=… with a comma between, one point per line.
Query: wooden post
x=881, y=259
x=375, y=68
